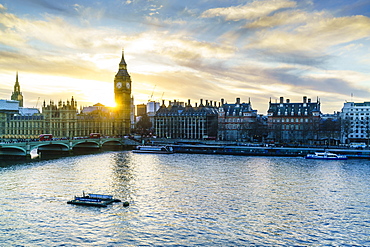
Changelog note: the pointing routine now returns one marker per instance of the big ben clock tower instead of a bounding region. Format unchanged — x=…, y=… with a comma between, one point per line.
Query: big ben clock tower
x=122, y=95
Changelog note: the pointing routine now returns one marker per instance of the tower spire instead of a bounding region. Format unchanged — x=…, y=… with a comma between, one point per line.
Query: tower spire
x=17, y=94
x=122, y=64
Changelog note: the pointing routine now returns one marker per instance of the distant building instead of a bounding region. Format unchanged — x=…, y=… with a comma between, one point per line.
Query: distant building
x=140, y=110
x=28, y=111
x=237, y=122
x=95, y=108
x=178, y=120
x=17, y=121
x=152, y=107
x=355, y=119
x=330, y=129
x=296, y=123
x=7, y=108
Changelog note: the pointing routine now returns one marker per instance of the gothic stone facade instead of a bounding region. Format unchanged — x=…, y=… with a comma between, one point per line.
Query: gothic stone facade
x=63, y=119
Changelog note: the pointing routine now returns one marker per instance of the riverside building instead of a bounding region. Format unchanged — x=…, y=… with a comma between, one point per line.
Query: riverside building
x=63, y=120
x=183, y=121
x=296, y=123
x=237, y=122
x=355, y=119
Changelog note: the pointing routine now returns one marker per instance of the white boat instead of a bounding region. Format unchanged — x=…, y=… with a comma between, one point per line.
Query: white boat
x=326, y=156
x=153, y=149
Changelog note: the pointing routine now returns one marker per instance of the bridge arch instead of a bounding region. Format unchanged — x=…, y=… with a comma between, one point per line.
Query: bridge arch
x=12, y=151
x=41, y=145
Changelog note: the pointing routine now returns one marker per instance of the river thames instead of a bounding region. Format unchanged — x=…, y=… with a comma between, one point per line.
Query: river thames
x=186, y=200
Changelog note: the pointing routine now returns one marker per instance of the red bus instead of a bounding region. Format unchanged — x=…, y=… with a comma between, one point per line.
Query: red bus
x=95, y=135
x=45, y=137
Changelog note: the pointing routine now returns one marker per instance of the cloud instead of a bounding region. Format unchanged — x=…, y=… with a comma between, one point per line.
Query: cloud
x=309, y=43
x=331, y=87
x=250, y=11
x=291, y=17
x=315, y=35
x=259, y=50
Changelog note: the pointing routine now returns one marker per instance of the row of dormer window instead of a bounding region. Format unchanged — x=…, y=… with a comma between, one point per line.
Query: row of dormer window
x=292, y=120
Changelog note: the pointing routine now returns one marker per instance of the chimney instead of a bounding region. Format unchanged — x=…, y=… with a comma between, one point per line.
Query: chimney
x=288, y=100
x=304, y=99
x=189, y=102
x=222, y=101
x=238, y=101
x=281, y=100
x=309, y=100
x=206, y=102
x=201, y=102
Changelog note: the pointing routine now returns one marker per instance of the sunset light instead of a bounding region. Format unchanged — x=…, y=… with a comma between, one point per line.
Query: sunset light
x=257, y=49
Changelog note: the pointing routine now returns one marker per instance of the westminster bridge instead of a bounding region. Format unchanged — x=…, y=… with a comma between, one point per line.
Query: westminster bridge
x=23, y=149
x=70, y=147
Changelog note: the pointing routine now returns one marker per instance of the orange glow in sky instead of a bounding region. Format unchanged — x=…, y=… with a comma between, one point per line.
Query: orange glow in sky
x=257, y=49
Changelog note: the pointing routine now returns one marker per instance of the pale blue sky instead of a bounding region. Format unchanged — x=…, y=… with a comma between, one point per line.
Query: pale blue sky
x=209, y=49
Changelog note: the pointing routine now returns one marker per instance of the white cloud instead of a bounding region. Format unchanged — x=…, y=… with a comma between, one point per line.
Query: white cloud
x=54, y=50
x=250, y=11
x=314, y=37
x=290, y=17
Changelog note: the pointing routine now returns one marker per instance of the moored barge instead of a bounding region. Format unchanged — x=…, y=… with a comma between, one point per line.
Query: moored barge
x=95, y=200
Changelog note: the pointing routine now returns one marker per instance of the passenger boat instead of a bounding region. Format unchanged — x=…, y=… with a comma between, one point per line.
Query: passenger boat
x=326, y=156
x=95, y=200
x=153, y=149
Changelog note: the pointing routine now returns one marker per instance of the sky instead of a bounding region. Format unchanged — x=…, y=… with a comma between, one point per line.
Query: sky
x=257, y=50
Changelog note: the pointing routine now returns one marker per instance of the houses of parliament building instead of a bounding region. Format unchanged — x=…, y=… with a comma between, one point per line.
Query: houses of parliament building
x=63, y=119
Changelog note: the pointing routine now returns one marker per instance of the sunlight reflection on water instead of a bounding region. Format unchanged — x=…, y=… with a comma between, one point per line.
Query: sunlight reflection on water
x=184, y=199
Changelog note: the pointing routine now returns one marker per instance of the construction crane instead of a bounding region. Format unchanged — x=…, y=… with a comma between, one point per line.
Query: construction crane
x=151, y=96
x=37, y=102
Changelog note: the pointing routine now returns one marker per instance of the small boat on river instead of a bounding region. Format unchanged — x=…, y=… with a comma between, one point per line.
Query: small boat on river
x=326, y=156
x=95, y=200
x=153, y=149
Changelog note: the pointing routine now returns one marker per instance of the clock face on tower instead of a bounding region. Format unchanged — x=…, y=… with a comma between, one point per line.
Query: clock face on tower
x=128, y=85
x=118, y=85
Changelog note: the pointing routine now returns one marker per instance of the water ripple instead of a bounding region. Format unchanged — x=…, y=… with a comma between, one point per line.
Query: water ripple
x=186, y=200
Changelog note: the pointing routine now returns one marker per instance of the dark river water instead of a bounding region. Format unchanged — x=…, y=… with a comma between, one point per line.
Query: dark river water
x=186, y=200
